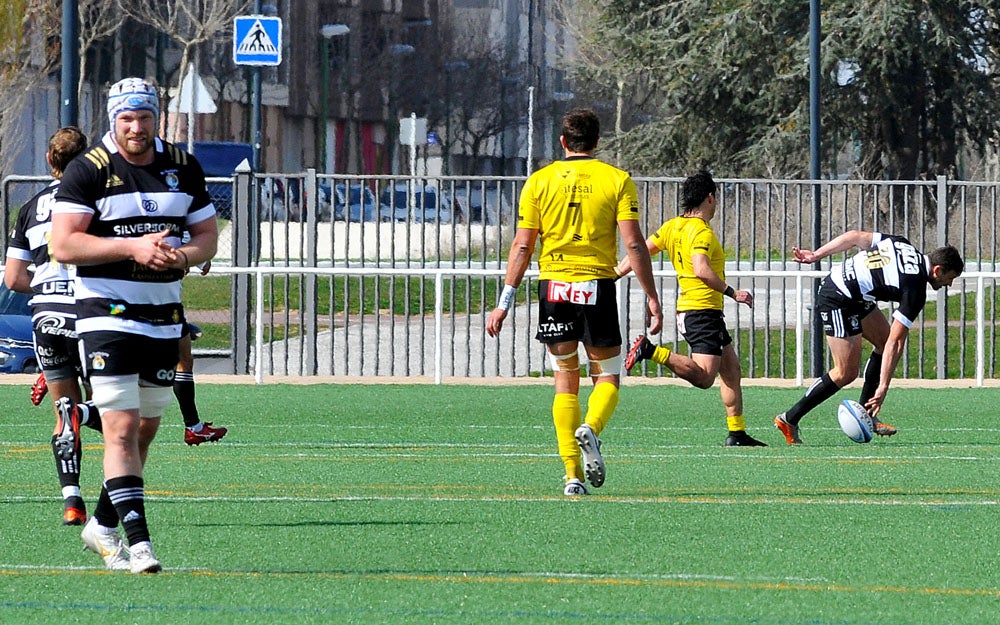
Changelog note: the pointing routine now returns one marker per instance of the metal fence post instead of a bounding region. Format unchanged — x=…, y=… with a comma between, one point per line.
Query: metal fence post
x=245, y=237
x=310, y=296
x=942, y=300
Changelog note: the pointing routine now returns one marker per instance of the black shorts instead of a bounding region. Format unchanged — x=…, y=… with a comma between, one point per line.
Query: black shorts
x=121, y=353
x=704, y=330
x=562, y=317
x=54, y=329
x=841, y=315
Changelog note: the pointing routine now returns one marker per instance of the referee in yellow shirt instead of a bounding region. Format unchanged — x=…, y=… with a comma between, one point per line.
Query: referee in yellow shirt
x=576, y=207
x=700, y=264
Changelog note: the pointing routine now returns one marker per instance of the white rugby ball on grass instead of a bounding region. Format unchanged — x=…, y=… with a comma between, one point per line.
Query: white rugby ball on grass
x=854, y=421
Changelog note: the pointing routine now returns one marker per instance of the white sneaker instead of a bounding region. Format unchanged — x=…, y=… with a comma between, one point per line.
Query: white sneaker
x=107, y=545
x=593, y=462
x=574, y=488
x=143, y=560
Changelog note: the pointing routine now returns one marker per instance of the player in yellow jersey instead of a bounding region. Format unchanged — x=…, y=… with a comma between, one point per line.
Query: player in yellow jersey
x=700, y=264
x=577, y=207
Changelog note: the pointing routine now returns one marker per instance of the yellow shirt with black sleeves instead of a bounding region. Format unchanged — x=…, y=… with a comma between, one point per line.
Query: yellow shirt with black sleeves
x=575, y=204
x=681, y=238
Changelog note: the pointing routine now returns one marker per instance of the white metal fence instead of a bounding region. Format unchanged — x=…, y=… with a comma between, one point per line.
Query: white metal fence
x=384, y=276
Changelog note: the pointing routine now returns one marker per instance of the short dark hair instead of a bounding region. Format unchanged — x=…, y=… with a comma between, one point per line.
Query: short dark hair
x=695, y=189
x=947, y=258
x=64, y=145
x=581, y=129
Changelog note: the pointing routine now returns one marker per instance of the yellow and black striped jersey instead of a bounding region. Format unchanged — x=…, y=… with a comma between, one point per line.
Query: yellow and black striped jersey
x=681, y=238
x=576, y=204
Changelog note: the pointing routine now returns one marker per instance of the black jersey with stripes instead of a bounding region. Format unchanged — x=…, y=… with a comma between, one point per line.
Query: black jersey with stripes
x=892, y=270
x=51, y=281
x=129, y=201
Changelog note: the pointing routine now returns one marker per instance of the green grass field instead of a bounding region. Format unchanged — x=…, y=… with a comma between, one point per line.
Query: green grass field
x=422, y=504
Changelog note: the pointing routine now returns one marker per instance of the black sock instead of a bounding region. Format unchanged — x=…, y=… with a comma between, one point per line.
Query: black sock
x=184, y=392
x=821, y=390
x=126, y=492
x=90, y=416
x=873, y=373
x=105, y=512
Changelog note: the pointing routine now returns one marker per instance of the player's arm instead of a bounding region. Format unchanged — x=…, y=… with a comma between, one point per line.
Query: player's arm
x=639, y=261
x=521, y=249
x=703, y=270
x=16, y=275
x=71, y=243
x=891, y=354
x=625, y=264
x=842, y=243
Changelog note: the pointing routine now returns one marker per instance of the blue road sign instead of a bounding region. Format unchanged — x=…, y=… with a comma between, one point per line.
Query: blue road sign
x=256, y=40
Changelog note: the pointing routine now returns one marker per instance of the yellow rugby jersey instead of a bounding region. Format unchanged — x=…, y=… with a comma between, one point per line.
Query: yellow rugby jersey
x=681, y=238
x=575, y=204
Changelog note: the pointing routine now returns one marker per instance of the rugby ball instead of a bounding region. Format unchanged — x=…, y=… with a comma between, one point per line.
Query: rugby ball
x=854, y=421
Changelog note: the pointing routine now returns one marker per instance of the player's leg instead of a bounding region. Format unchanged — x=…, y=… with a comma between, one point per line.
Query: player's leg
x=196, y=431
x=561, y=335
x=682, y=366
x=565, y=361
x=731, y=390
x=66, y=445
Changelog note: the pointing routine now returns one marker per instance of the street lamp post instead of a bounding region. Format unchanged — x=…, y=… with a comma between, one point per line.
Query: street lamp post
x=328, y=31
x=558, y=96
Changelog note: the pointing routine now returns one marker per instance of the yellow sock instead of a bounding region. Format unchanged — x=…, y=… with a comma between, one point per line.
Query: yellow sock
x=660, y=355
x=736, y=424
x=566, y=417
x=601, y=405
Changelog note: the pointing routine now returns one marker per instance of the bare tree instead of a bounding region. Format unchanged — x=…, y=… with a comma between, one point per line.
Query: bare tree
x=99, y=20
x=27, y=27
x=188, y=22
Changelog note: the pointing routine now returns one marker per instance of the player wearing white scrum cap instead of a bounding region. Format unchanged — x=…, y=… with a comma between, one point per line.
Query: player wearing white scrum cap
x=119, y=216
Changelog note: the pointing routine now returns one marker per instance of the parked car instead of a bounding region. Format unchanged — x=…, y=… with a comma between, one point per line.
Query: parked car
x=218, y=159
x=17, y=351
x=360, y=205
x=405, y=201
x=480, y=203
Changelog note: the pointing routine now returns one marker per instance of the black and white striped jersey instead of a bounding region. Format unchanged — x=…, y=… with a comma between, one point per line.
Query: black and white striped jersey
x=892, y=270
x=129, y=201
x=52, y=281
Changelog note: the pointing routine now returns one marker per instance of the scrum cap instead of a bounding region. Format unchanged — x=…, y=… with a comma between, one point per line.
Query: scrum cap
x=132, y=94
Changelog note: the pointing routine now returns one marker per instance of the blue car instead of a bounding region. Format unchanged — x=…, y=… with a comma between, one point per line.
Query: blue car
x=17, y=351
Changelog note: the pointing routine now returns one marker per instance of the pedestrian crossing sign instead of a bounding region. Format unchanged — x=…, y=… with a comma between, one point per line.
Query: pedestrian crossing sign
x=256, y=40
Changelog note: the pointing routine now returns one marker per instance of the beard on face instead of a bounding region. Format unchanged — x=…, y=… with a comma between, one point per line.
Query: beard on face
x=134, y=143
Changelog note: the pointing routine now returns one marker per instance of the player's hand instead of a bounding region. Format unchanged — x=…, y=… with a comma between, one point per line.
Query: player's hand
x=804, y=256
x=744, y=297
x=654, y=316
x=494, y=323
x=874, y=405
x=206, y=267
x=153, y=251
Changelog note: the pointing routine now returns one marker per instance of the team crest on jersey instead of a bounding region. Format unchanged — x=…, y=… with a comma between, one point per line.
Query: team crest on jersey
x=170, y=177
x=97, y=362
x=150, y=206
x=117, y=309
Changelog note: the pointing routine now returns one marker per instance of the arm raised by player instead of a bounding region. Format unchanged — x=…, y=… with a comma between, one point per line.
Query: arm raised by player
x=844, y=242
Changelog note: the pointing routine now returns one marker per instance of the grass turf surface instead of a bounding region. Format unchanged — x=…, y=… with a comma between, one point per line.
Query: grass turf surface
x=422, y=504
